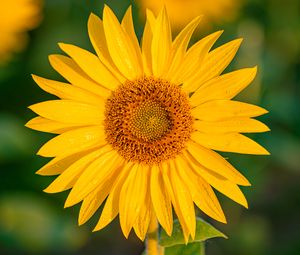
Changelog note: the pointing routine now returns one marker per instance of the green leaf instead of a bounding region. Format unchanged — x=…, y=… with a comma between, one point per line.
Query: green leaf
x=182, y=249
x=204, y=231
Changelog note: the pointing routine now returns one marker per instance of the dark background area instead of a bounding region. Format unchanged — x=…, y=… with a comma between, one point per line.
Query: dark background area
x=33, y=222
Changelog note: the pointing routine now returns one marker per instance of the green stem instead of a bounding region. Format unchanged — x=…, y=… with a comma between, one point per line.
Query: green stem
x=202, y=248
x=152, y=246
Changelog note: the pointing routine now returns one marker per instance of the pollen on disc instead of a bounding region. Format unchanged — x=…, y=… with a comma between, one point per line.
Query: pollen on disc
x=148, y=120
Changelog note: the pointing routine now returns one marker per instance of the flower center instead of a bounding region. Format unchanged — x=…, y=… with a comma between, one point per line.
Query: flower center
x=148, y=120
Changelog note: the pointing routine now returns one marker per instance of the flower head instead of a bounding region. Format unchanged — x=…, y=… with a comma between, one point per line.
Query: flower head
x=137, y=127
x=17, y=17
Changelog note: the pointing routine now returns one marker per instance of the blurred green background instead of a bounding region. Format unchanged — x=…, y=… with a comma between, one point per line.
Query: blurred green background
x=32, y=222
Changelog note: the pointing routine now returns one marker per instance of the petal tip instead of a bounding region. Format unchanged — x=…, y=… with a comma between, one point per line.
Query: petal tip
x=62, y=45
x=92, y=15
x=33, y=76
x=129, y=9
x=106, y=10
x=36, y=78
x=46, y=190
x=254, y=70
x=245, y=203
x=243, y=181
x=31, y=107
x=263, y=151
x=72, y=199
x=247, y=184
x=239, y=40
x=68, y=203
x=126, y=234
x=81, y=220
x=51, y=57
x=27, y=124
x=169, y=231
x=236, y=43
x=149, y=13
x=221, y=217
x=223, y=220
x=99, y=226
x=42, y=153
x=218, y=33
x=39, y=172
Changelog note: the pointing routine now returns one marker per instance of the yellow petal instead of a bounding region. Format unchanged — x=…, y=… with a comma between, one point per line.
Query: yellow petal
x=238, y=125
x=183, y=199
x=166, y=173
x=111, y=208
x=225, y=86
x=161, y=200
x=67, y=111
x=193, y=59
x=50, y=126
x=66, y=91
x=161, y=44
x=179, y=47
x=214, y=64
x=93, y=201
x=91, y=65
x=120, y=46
x=72, y=73
x=127, y=25
x=68, y=178
x=61, y=163
x=143, y=219
x=98, y=40
x=214, y=162
x=208, y=202
x=224, y=109
x=151, y=19
x=73, y=141
x=230, y=142
x=182, y=40
x=96, y=175
x=146, y=47
x=91, y=204
x=226, y=187
x=132, y=197
x=218, y=59
x=202, y=193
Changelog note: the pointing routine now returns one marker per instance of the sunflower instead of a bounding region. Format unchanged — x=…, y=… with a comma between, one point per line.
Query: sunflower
x=17, y=17
x=138, y=127
x=213, y=10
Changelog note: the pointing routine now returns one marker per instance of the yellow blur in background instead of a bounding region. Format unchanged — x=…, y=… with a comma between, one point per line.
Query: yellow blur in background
x=183, y=11
x=16, y=18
